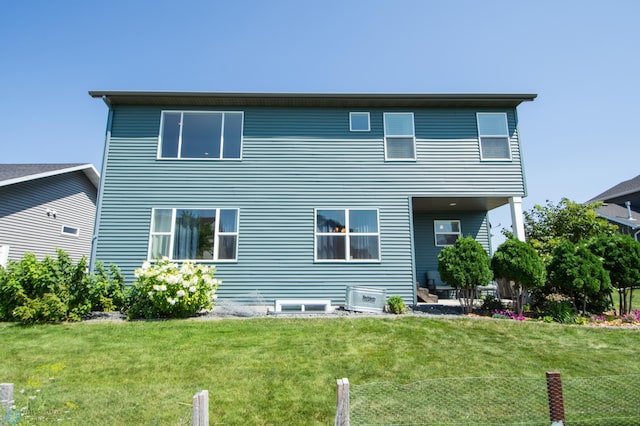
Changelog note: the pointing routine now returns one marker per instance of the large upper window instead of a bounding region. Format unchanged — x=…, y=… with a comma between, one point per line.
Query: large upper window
x=493, y=133
x=194, y=234
x=347, y=235
x=446, y=232
x=399, y=136
x=201, y=134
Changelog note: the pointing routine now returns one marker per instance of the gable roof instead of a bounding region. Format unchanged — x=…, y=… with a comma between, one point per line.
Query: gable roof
x=623, y=188
x=11, y=174
x=345, y=100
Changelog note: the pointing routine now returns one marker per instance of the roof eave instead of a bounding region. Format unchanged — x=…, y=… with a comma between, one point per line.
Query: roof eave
x=88, y=169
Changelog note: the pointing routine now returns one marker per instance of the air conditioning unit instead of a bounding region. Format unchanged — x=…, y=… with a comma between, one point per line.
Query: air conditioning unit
x=365, y=299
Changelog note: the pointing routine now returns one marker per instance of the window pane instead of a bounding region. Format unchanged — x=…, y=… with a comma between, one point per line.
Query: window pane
x=232, y=135
x=400, y=148
x=359, y=121
x=331, y=247
x=194, y=233
x=162, y=220
x=447, y=226
x=201, y=135
x=159, y=246
x=227, y=247
x=330, y=221
x=398, y=124
x=446, y=239
x=364, y=247
x=492, y=124
x=363, y=221
x=170, y=134
x=495, y=148
x=228, y=220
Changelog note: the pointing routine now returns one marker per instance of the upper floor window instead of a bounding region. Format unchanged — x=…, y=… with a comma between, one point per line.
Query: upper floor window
x=359, y=122
x=201, y=134
x=446, y=232
x=493, y=133
x=347, y=234
x=399, y=136
x=194, y=234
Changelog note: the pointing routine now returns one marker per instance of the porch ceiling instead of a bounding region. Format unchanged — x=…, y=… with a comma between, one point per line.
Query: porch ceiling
x=458, y=203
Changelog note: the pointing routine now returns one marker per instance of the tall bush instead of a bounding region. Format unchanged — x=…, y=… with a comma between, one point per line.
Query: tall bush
x=169, y=290
x=519, y=262
x=465, y=266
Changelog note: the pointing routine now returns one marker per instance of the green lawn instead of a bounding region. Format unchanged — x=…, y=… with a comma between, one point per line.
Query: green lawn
x=278, y=370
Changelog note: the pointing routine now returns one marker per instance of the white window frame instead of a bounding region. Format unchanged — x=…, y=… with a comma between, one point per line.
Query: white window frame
x=386, y=136
x=70, y=234
x=182, y=112
x=171, y=234
x=347, y=234
x=351, y=114
x=480, y=136
x=436, y=233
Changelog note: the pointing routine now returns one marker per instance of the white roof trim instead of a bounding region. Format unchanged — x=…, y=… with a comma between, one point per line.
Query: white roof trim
x=88, y=169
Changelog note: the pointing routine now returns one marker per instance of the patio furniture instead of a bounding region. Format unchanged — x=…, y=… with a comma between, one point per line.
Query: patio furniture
x=439, y=287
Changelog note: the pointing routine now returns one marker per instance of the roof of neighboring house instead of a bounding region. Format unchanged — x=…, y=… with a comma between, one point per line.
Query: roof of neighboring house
x=619, y=214
x=623, y=188
x=345, y=100
x=11, y=174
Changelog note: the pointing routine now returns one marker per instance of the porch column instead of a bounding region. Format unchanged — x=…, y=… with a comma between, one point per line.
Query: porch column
x=517, y=219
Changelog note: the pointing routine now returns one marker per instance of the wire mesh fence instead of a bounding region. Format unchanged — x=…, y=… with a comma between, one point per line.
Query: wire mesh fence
x=589, y=401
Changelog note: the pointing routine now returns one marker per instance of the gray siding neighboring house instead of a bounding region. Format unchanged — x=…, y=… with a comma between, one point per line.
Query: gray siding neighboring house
x=302, y=195
x=622, y=206
x=47, y=206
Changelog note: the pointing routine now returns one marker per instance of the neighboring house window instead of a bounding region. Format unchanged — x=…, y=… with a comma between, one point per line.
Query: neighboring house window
x=359, y=122
x=201, y=134
x=446, y=232
x=493, y=133
x=347, y=235
x=194, y=234
x=68, y=230
x=399, y=136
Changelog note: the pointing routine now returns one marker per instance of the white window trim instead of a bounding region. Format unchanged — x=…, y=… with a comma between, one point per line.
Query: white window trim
x=182, y=112
x=368, y=129
x=384, y=128
x=436, y=233
x=347, y=234
x=69, y=234
x=480, y=136
x=171, y=233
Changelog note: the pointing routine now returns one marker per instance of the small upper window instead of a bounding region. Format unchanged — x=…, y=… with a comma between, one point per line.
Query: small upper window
x=446, y=232
x=68, y=230
x=493, y=133
x=201, y=134
x=399, y=136
x=359, y=122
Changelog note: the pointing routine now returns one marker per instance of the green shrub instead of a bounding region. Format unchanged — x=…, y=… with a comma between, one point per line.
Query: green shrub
x=559, y=308
x=396, y=305
x=168, y=290
x=491, y=303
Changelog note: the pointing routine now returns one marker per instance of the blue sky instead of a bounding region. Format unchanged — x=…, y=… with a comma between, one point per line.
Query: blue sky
x=581, y=57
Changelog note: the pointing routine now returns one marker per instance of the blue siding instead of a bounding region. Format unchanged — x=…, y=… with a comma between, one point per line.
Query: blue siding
x=295, y=160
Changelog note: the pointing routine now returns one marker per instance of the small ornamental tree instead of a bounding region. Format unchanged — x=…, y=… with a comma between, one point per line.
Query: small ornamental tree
x=620, y=256
x=465, y=266
x=578, y=273
x=519, y=262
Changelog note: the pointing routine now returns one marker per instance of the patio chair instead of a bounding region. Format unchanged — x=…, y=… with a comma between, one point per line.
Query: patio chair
x=439, y=287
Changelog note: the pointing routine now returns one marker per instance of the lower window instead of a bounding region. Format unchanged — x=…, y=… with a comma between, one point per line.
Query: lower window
x=194, y=234
x=347, y=235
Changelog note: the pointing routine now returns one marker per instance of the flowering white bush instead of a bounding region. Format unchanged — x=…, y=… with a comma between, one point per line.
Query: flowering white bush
x=168, y=290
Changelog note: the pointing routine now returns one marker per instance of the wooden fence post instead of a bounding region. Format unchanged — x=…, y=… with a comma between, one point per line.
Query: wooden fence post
x=6, y=395
x=556, y=401
x=342, y=403
x=201, y=409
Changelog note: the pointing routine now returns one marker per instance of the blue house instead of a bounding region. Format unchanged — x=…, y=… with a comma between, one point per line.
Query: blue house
x=302, y=195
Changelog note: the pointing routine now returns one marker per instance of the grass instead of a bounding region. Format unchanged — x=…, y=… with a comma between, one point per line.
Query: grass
x=275, y=370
